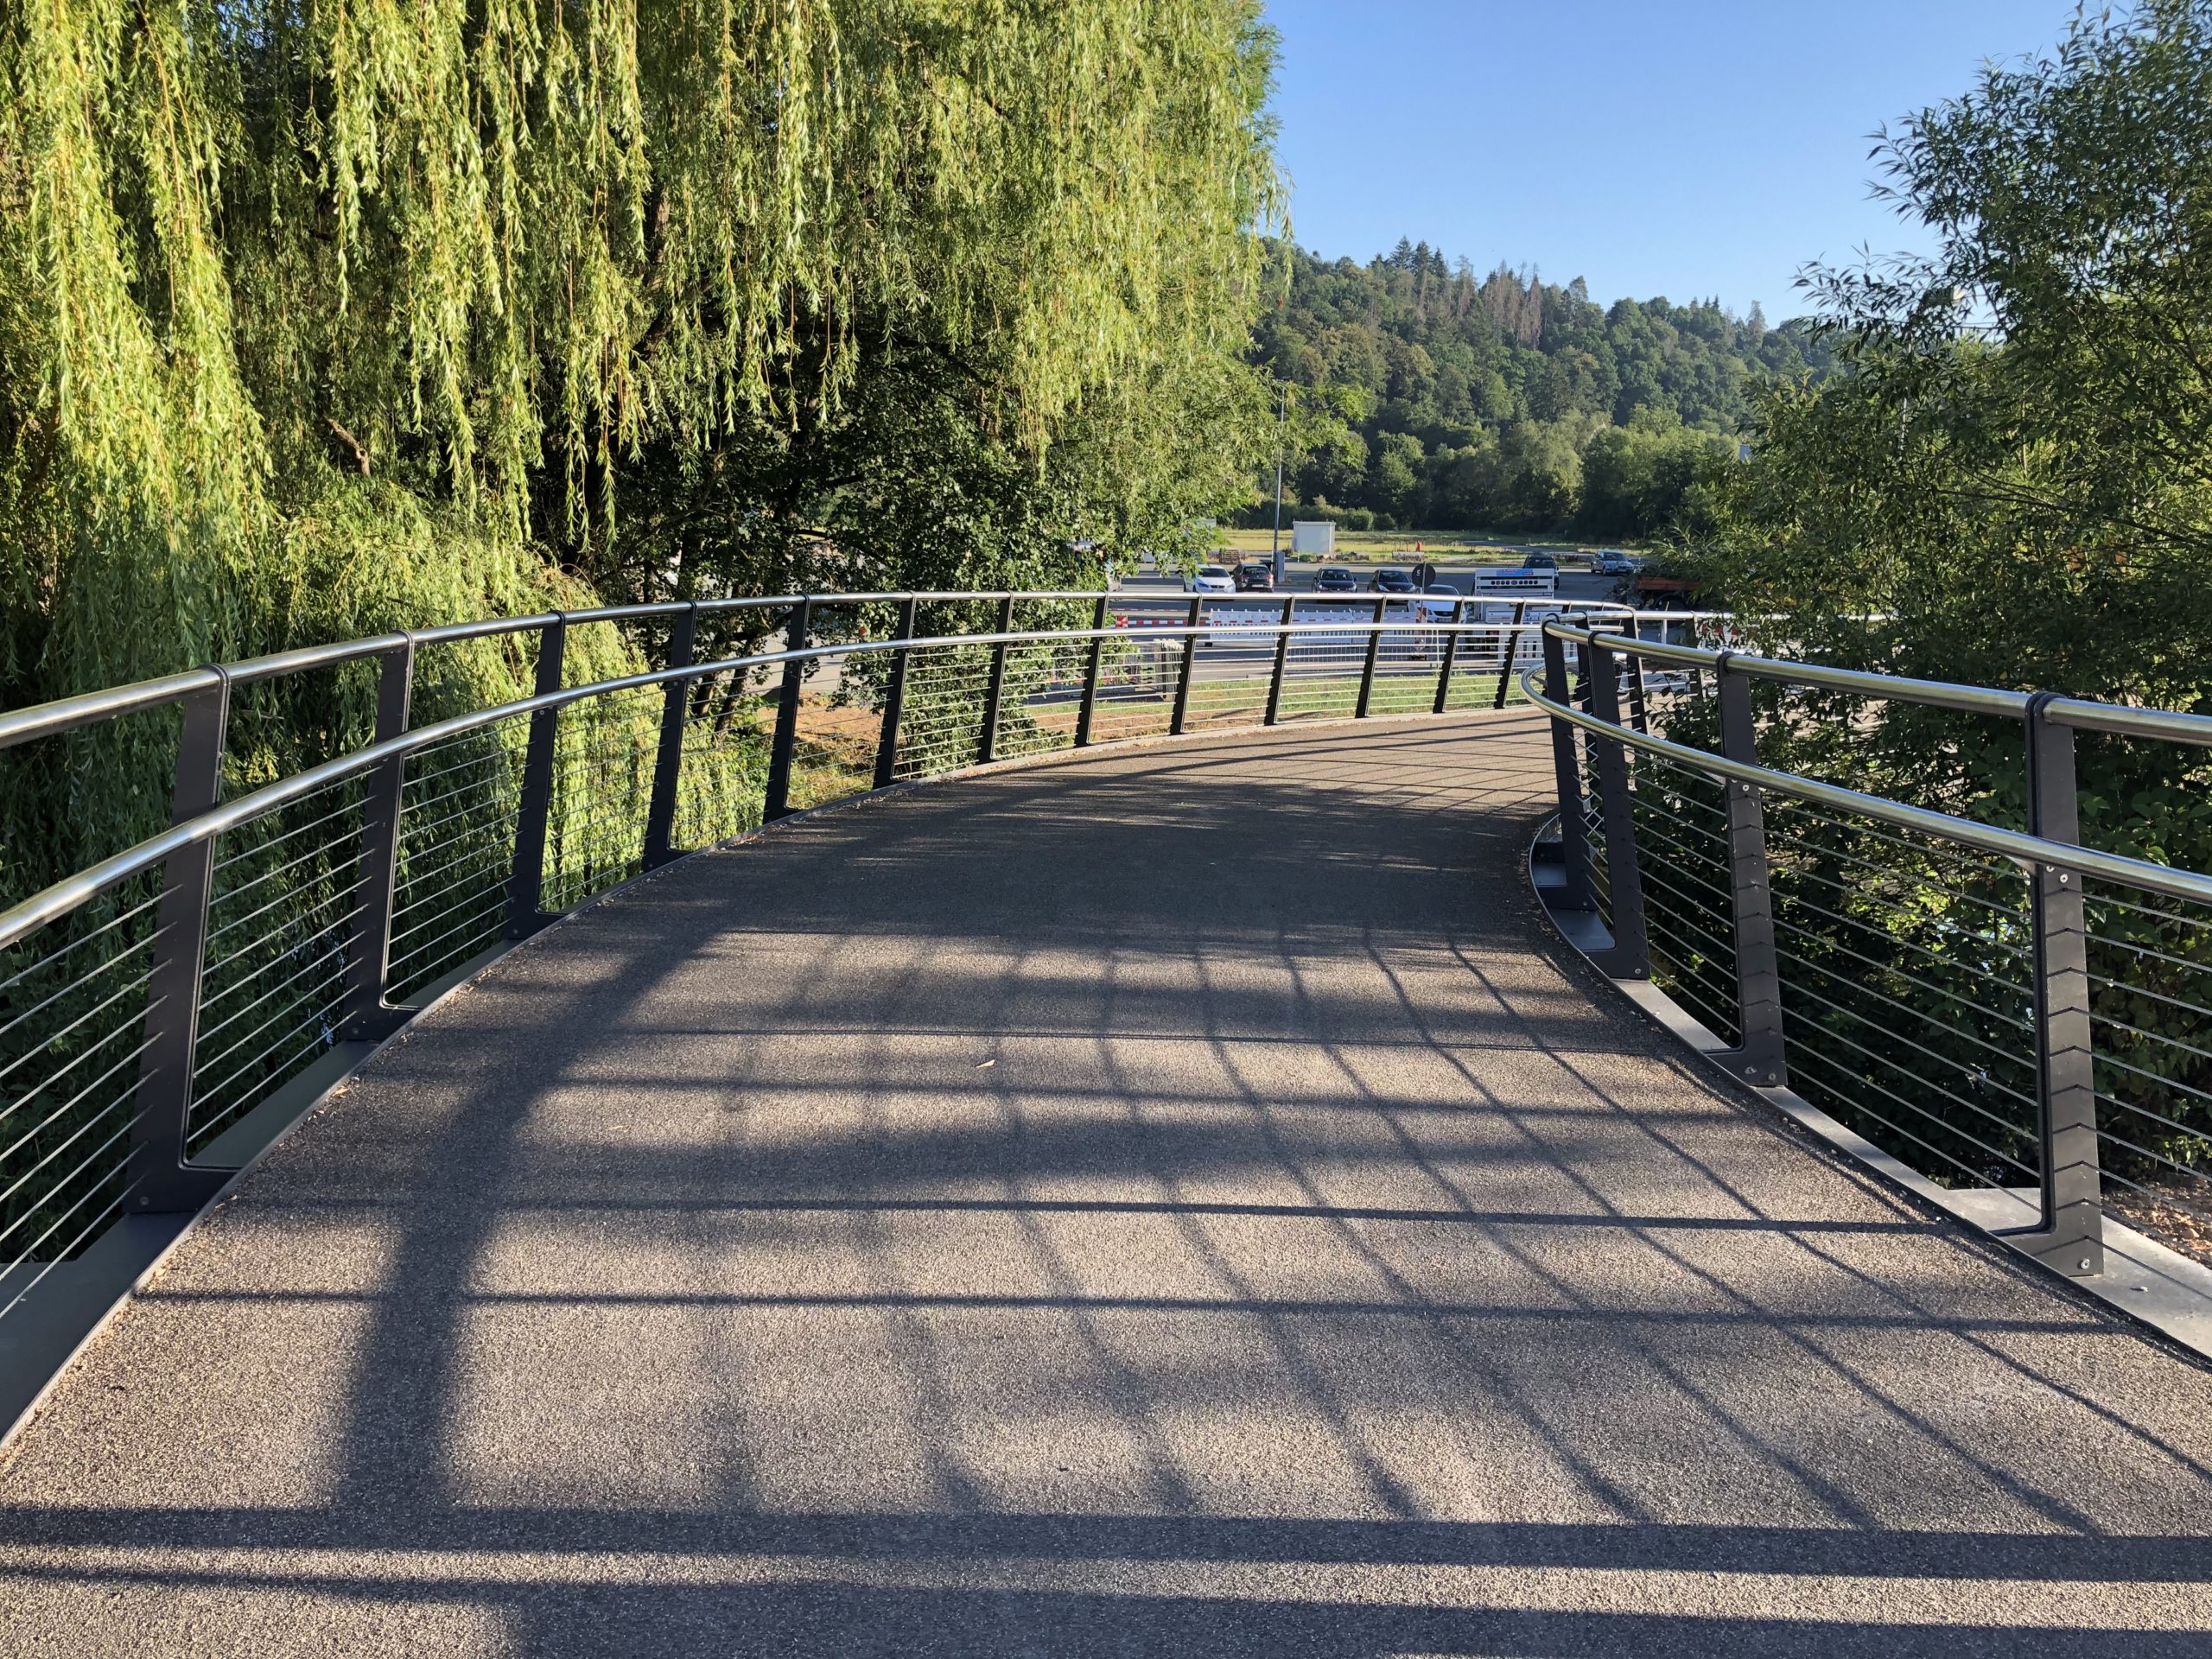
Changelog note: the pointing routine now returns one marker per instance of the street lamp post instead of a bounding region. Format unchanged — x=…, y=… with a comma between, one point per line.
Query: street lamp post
x=1282, y=417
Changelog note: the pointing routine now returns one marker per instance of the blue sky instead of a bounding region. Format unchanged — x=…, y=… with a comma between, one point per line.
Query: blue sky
x=1682, y=149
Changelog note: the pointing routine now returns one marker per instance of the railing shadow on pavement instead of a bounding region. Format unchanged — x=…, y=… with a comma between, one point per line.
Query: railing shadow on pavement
x=168, y=1008
x=1524, y=1309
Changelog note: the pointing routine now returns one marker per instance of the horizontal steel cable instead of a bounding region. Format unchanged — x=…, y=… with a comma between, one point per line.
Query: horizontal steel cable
x=2132, y=989
x=352, y=809
x=1891, y=967
x=1906, y=1009
x=1860, y=1109
x=1782, y=896
x=2139, y=1110
x=123, y=956
x=29, y=1252
x=1977, y=1074
x=1928, y=921
x=2197, y=922
x=1891, y=876
x=2158, y=1196
x=26, y=1136
x=82, y=1055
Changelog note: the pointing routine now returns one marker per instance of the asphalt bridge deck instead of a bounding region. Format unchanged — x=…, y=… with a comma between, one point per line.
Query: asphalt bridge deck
x=1177, y=1201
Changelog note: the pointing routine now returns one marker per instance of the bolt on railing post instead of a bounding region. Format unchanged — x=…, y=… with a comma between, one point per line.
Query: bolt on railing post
x=668, y=763
x=158, y=1174
x=1090, y=667
x=1628, y=956
x=1451, y=655
x=1190, y=664
x=894, y=697
x=1759, y=1056
x=1566, y=774
x=2070, y=1237
x=995, y=689
x=366, y=1017
x=1513, y=650
x=1282, y=661
x=1366, y=669
x=526, y=882
x=776, y=804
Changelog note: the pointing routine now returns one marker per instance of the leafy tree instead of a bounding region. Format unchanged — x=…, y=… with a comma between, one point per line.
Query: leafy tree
x=1395, y=474
x=1642, y=474
x=2009, y=480
x=318, y=320
x=2015, y=474
x=1539, y=475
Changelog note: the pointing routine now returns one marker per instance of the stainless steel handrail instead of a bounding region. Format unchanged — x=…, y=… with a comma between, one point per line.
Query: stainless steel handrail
x=90, y=708
x=2024, y=850
x=2125, y=720
x=1937, y=694
x=27, y=917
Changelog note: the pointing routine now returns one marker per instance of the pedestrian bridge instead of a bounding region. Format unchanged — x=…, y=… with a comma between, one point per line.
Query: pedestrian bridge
x=1179, y=1197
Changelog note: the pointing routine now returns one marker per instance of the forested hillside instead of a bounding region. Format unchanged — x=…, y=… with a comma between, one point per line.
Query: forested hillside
x=1506, y=402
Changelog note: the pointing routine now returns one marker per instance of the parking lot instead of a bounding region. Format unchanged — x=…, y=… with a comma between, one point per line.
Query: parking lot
x=1459, y=575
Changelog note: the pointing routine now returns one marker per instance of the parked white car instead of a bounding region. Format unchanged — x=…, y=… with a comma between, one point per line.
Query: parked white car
x=1211, y=579
x=1437, y=602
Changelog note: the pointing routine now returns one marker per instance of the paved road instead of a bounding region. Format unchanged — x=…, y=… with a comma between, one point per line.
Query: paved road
x=1172, y=1203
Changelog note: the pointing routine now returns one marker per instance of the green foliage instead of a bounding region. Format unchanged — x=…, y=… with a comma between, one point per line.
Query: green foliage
x=2009, y=481
x=2016, y=471
x=1466, y=402
x=1643, y=475
x=317, y=320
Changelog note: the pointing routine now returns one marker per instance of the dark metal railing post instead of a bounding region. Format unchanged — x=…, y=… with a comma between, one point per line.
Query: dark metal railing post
x=1090, y=667
x=1566, y=774
x=366, y=1017
x=1513, y=650
x=1450, y=656
x=157, y=1177
x=1758, y=1057
x=1282, y=663
x=995, y=689
x=1628, y=956
x=1190, y=664
x=2071, y=1236
x=526, y=881
x=894, y=697
x=1638, y=716
x=777, y=802
x=668, y=764
x=1367, y=670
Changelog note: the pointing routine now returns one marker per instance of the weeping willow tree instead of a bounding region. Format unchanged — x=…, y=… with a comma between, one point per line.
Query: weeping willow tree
x=326, y=316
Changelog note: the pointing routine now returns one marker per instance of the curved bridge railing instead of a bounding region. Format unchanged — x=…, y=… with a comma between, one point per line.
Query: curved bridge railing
x=335, y=859
x=2022, y=1020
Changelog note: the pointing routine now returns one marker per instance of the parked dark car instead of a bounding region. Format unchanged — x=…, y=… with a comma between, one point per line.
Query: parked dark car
x=1539, y=562
x=1255, y=579
x=1334, y=579
x=1390, y=581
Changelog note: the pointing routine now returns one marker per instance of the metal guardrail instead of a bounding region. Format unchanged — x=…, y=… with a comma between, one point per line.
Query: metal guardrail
x=1998, y=1008
x=159, y=1003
